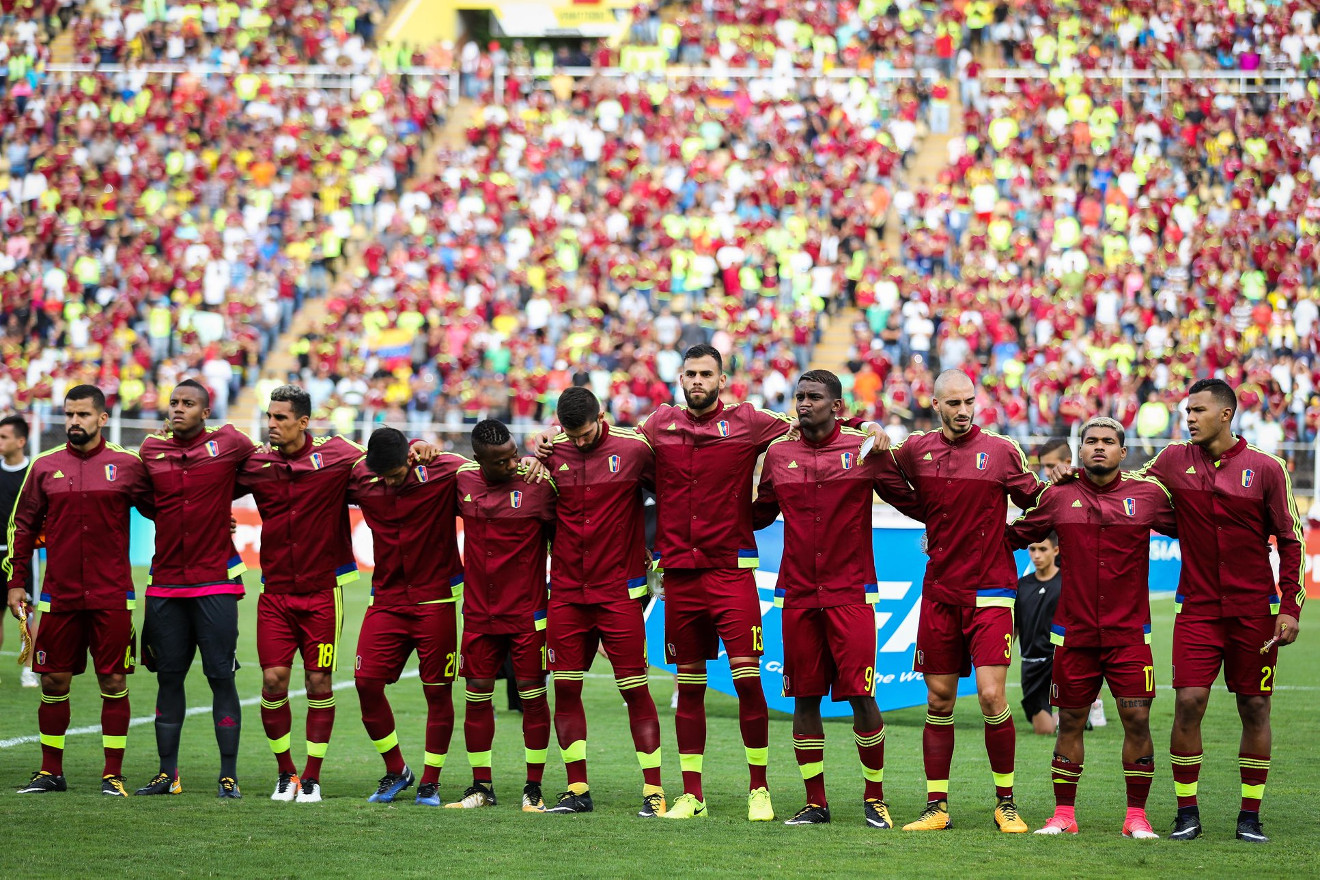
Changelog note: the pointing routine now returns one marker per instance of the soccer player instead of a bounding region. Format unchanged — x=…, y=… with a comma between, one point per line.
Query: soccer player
x=1057, y=453
x=706, y=454
x=1033, y=615
x=417, y=581
x=963, y=477
x=79, y=495
x=13, y=469
x=597, y=572
x=1230, y=498
x=1102, y=625
x=300, y=487
x=827, y=587
x=196, y=583
x=506, y=528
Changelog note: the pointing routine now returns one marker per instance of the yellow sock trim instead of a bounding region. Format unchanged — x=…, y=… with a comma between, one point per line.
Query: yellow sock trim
x=939, y=720
x=327, y=703
x=1185, y=789
x=118, y=696
x=479, y=759
x=757, y=757
x=1005, y=780
x=387, y=742
x=998, y=719
x=59, y=698
x=745, y=672
x=876, y=775
x=121, y=742
x=479, y=697
x=690, y=763
x=317, y=750
x=54, y=742
x=933, y=785
x=1253, y=791
x=533, y=694
x=648, y=760
x=812, y=769
x=281, y=745
x=630, y=682
x=574, y=751
x=433, y=759
x=535, y=756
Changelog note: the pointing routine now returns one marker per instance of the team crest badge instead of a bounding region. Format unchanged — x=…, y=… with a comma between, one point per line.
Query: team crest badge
x=1130, y=506
x=41, y=658
x=614, y=464
x=111, y=471
x=847, y=458
x=318, y=461
x=421, y=473
x=550, y=654
x=515, y=499
x=212, y=448
x=723, y=428
x=982, y=460
x=1247, y=477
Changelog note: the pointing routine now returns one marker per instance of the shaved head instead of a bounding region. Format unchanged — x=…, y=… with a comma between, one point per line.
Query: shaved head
x=953, y=383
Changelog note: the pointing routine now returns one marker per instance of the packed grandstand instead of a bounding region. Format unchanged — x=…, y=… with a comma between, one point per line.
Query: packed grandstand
x=1085, y=205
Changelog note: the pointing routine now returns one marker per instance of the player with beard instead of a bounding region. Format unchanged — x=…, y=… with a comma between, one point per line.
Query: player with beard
x=79, y=495
x=964, y=477
x=1101, y=627
x=706, y=454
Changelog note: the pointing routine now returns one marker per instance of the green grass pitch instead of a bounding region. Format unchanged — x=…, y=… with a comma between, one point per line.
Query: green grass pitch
x=82, y=832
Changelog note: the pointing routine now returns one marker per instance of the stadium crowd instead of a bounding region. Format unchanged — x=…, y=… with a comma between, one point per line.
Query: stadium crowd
x=1091, y=245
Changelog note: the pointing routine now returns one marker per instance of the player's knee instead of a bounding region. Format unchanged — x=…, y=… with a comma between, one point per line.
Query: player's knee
x=992, y=700
x=55, y=684
x=1189, y=704
x=318, y=682
x=114, y=684
x=275, y=680
x=1254, y=709
x=1072, y=721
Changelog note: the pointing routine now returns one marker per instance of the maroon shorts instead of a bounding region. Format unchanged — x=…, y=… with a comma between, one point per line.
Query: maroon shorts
x=483, y=654
x=65, y=637
x=953, y=638
x=390, y=633
x=1078, y=673
x=575, y=630
x=829, y=651
x=306, y=623
x=704, y=606
x=1202, y=645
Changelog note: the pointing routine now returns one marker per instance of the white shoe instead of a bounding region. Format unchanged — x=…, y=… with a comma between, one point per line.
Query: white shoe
x=28, y=678
x=1097, y=716
x=286, y=788
x=309, y=792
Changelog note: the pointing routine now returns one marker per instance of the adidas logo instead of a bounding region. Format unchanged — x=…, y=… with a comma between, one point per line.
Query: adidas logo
x=1077, y=504
x=792, y=464
x=673, y=426
x=160, y=455
x=563, y=467
x=926, y=457
x=1191, y=470
x=59, y=475
x=467, y=497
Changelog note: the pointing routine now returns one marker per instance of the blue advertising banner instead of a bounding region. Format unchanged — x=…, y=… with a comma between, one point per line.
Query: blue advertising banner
x=901, y=566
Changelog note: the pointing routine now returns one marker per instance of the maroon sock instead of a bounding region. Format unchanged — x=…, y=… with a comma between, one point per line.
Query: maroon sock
x=439, y=728
x=479, y=732
x=643, y=721
x=1186, y=774
x=871, y=751
x=571, y=725
x=1066, y=775
x=1001, y=746
x=378, y=719
x=536, y=730
x=53, y=722
x=690, y=729
x=810, y=754
x=115, y=716
x=937, y=753
x=277, y=720
x=753, y=720
x=1138, y=777
x=320, y=723
x=1254, y=769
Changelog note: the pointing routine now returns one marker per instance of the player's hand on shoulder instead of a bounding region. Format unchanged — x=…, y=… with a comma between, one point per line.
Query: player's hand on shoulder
x=545, y=443
x=794, y=430
x=536, y=470
x=423, y=452
x=233, y=524
x=1061, y=473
